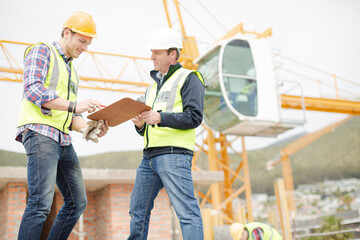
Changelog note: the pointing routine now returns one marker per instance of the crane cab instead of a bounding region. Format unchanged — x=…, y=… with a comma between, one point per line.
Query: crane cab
x=241, y=92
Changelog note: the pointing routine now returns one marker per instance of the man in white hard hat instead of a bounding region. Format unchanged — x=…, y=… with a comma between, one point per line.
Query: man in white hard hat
x=177, y=100
x=254, y=231
x=49, y=110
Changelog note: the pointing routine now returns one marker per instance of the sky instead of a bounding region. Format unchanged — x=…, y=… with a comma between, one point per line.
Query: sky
x=323, y=33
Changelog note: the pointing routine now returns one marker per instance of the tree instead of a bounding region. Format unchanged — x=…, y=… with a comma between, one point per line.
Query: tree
x=347, y=200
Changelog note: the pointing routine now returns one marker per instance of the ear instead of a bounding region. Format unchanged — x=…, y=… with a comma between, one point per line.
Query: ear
x=67, y=32
x=173, y=54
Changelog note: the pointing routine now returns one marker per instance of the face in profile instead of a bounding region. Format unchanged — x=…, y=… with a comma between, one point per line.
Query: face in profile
x=162, y=59
x=75, y=43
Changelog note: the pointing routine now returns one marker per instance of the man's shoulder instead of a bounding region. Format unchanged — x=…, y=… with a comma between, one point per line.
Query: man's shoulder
x=195, y=77
x=39, y=49
x=40, y=45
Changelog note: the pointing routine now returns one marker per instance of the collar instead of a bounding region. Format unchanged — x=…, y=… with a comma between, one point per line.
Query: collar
x=61, y=51
x=155, y=74
x=159, y=76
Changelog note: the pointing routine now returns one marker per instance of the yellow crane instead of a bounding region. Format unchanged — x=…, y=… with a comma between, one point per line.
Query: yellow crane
x=216, y=143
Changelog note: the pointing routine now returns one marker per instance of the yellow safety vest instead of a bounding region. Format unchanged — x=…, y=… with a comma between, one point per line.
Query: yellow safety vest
x=168, y=99
x=57, y=80
x=269, y=232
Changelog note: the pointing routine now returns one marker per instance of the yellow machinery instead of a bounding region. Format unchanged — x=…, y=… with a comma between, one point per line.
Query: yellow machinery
x=215, y=143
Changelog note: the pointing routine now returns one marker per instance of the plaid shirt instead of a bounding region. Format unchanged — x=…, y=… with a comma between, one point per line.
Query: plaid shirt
x=257, y=234
x=36, y=67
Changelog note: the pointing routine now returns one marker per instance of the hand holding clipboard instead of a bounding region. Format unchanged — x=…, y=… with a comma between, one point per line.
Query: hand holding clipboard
x=120, y=111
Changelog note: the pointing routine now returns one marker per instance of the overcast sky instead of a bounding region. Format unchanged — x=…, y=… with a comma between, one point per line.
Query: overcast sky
x=323, y=33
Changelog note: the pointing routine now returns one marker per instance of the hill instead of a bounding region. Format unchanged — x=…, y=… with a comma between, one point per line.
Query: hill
x=331, y=157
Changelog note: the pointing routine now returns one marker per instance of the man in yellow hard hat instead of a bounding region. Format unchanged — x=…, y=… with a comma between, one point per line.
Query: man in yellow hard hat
x=254, y=231
x=49, y=110
x=177, y=99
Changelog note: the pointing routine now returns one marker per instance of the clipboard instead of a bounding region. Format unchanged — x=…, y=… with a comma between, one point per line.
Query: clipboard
x=120, y=111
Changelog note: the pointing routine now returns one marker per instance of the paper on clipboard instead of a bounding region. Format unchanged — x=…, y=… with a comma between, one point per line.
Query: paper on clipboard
x=120, y=111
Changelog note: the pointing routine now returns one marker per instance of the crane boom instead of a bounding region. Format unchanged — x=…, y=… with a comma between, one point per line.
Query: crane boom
x=309, y=138
x=321, y=104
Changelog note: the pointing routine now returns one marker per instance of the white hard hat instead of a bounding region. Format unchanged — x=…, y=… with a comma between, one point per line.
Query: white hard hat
x=236, y=230
x=165, y=38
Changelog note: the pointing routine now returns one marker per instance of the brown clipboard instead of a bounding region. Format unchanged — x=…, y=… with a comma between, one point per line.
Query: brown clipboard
x=120, y=111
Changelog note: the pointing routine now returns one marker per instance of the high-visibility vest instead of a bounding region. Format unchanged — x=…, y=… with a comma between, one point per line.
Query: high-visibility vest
x=247, y=88
x=269, y=232
x=168, y=99
x=57, y=80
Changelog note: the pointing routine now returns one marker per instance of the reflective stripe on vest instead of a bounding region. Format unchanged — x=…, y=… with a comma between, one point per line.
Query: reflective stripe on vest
x=56, y=80
x=168, y=99
x=269, y=232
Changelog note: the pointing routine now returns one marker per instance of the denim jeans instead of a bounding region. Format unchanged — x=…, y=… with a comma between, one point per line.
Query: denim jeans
x=50, y=163
x=172, y=171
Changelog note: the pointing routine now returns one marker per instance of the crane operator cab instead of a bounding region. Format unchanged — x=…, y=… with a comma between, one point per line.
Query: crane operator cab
x=241, y=96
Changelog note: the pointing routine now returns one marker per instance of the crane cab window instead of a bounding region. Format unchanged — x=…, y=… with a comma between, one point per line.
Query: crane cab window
x=216, y=112
x=239, y=77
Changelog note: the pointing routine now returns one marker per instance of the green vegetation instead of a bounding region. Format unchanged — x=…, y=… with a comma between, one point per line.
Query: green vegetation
x=331, y=224
x=331, y=157
x=120, y=160
x=12, y=159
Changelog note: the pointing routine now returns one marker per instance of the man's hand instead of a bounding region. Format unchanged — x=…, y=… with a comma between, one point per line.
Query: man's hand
x=138, y=121
x=94, y=130
x=151, y=117
x=88, y=105
x=104, y=128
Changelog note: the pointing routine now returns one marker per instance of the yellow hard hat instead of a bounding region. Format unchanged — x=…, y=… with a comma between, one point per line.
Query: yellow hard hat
x=82, y=23
x=236, y=230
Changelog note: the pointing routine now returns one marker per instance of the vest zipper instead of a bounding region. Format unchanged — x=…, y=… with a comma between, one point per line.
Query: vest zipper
x=146, y=127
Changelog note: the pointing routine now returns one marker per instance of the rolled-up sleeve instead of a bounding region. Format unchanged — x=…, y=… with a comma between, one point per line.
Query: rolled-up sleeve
x=36, y=67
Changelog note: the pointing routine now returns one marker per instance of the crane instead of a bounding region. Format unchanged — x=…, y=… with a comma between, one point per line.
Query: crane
x=216, y=143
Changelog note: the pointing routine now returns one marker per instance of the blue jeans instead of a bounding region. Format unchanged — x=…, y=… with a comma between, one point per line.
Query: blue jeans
x=50, y=163
x=172, y=171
